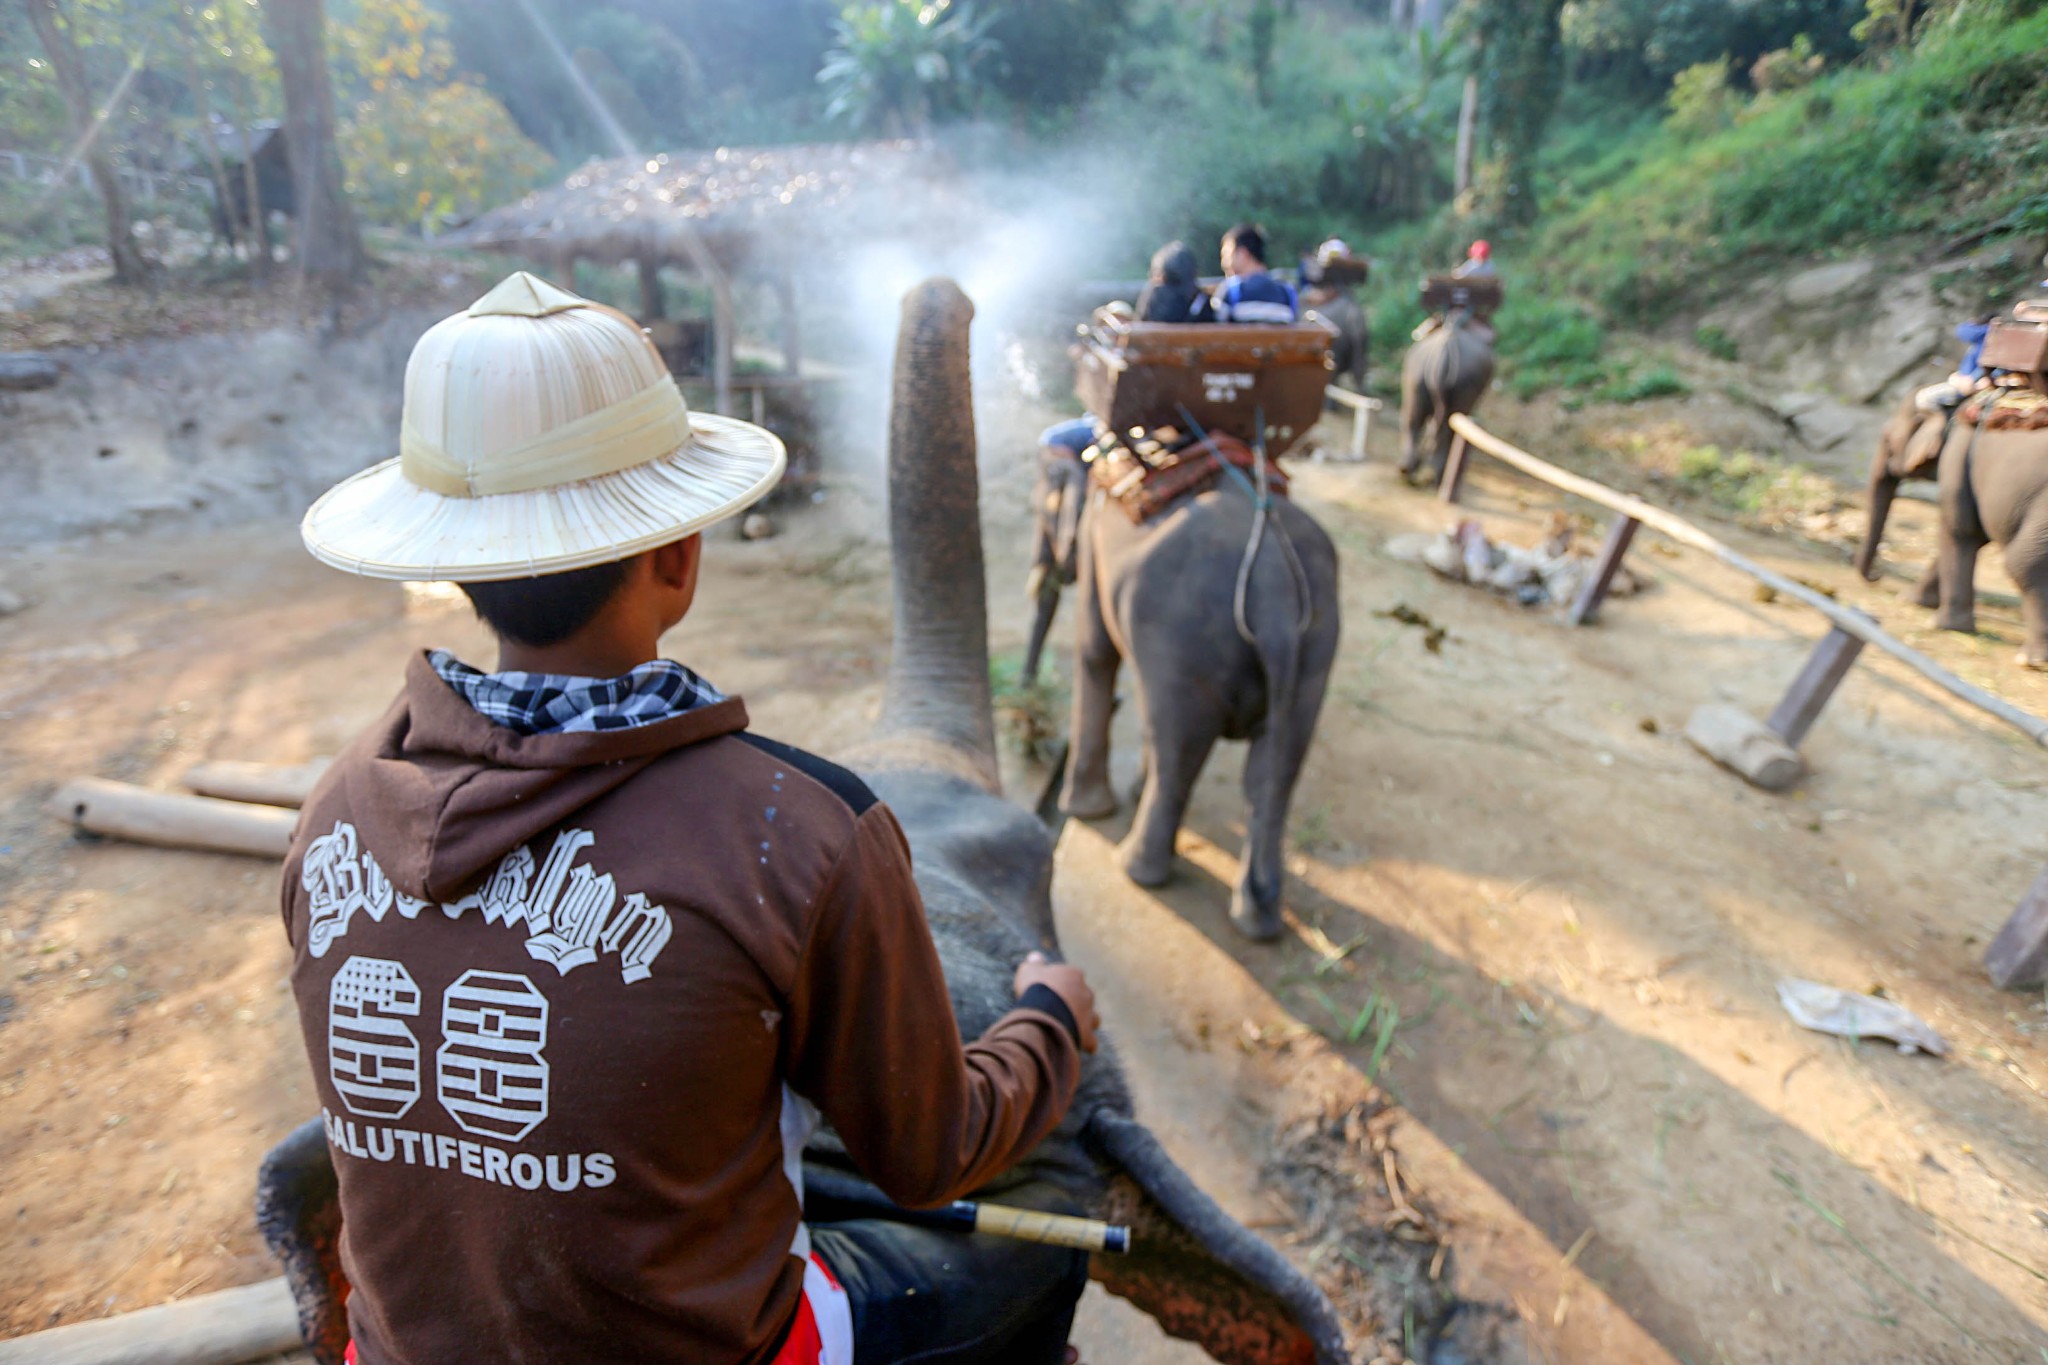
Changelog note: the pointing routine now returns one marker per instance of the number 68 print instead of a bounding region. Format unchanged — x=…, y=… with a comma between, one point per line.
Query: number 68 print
x=489, y=1073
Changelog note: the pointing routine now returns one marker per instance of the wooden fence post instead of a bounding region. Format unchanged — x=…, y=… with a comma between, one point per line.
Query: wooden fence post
x=2019, y=955
x=1825, y=668
x=1454, y=471
x=1612, y=551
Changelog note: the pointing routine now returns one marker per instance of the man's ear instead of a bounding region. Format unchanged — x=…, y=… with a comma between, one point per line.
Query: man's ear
x=675, y=564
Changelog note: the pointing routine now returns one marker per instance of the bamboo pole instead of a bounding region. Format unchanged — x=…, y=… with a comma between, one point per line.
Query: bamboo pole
x=255, y=1322
x=171, y=820
x=265, y=784
x=1685, y=533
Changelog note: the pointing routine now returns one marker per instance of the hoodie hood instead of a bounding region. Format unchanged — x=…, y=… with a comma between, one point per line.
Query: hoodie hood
x=1174, y=263
x=443, y=793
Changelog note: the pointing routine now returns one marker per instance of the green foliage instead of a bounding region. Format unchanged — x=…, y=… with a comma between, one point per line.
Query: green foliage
x=1701, y=101
x=1357, y=134
x=1741, y=482
x=1659, y=381
x=897, y=67
x=1549, y=343
x=1714, y=341
x=1053, y=52
x=1933, y=143
x=1642, y=44
x=1521, y=71
x=418, y=143
x=535, y=56
x=1787, y=68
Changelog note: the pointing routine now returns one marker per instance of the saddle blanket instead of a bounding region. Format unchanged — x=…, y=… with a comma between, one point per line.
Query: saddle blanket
x=2013, y=410
x=1143, y=490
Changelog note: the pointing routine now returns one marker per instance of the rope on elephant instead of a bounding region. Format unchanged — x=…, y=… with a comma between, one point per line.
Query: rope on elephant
x=1685, y=533
x=1262, y=500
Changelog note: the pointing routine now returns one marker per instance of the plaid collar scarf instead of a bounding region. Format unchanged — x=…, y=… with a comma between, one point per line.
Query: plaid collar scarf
x=557, y=704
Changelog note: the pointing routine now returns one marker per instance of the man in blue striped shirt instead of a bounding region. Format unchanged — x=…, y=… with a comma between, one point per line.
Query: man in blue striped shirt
x=1250, y=293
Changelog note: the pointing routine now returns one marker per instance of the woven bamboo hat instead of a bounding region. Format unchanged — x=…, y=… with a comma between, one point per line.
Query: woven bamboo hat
x=542, y=433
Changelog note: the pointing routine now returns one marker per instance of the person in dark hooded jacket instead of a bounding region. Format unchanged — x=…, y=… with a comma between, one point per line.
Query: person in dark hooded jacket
x=1172, y=292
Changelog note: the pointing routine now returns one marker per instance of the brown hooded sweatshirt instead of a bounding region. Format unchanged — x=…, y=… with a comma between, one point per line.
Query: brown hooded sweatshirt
x=569, y=999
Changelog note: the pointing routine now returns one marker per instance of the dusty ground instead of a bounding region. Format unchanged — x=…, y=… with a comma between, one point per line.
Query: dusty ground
x=1565, y=925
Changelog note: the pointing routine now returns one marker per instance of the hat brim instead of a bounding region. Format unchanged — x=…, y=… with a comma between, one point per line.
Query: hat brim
x=380, y=525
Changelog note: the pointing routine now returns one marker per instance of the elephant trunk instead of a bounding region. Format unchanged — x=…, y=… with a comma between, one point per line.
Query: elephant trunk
x=938, y=676
x=1884, y=486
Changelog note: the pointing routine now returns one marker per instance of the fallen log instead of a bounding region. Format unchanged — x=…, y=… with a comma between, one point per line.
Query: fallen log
x=171, y=820
x=266, y=784
x=25, y=370
x=1735, y=739
x=251, y=1323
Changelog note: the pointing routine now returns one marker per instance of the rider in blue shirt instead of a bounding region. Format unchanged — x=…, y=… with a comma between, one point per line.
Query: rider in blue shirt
x=1250, y=293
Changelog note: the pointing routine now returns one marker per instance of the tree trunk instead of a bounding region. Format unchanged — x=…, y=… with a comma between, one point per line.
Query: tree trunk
x=203, y=108
x=1468, y=114
x=330, y=251
x=54, y=30
x=258, y=224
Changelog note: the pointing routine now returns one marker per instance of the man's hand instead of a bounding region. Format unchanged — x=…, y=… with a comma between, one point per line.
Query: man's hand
x=1069, y=985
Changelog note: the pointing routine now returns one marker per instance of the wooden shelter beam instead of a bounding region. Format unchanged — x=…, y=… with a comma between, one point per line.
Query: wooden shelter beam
x=792, y=332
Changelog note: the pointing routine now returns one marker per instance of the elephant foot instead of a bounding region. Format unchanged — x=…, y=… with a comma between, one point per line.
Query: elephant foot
x=2036, y=659
x=1959, y=623
x=1256, y=917
x=1928, y=595
x=1145, y=869
x=1092, y=802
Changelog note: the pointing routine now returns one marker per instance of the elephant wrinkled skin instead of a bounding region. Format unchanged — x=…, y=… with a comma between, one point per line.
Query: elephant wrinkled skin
x=1446, y=372
x=1163, y=596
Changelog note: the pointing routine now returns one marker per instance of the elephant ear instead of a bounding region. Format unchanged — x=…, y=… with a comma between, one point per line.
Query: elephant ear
x=1171, y=1277
x=298, y=1208
x=1197, y=1271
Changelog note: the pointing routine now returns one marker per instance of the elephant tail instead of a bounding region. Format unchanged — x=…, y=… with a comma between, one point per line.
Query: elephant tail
x=1204, y=1275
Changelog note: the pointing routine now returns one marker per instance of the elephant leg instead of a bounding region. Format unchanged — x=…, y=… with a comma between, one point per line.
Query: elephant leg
x=1087, y=795
x=1041, y=626
x=1957, y=565
x=1178, y=737
x=1928, y=594
x=1270, y=772
x=1414, y=414
x=2026, y=559
x=1441, y=455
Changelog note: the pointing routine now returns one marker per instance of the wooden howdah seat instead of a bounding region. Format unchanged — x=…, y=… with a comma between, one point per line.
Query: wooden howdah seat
x=1139, y=376
x=2020, y=347
x=1482, y=294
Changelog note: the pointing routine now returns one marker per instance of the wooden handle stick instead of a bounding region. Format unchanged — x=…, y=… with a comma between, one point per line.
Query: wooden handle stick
x=834, y=1195
x=173, y=820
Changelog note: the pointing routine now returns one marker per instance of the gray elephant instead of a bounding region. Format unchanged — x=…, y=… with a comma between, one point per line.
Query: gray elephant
x=1445, y=372
x=1229, y=620
x=1352, y=349
x=984, y=869
x=1992, y=485
x=1988, y=480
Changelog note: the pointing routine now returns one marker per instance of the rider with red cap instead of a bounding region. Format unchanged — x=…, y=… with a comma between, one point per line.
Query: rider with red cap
x=1478, y=262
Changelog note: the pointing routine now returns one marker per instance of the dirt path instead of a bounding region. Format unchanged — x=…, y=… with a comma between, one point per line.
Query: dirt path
x=1578, y=924
x=1578, y=921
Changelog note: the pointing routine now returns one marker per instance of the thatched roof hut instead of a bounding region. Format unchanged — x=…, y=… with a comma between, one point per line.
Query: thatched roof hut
x=733, y=210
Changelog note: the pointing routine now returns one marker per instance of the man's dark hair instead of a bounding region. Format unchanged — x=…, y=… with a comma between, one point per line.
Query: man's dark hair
x=1250, y=237
x=538, y=612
